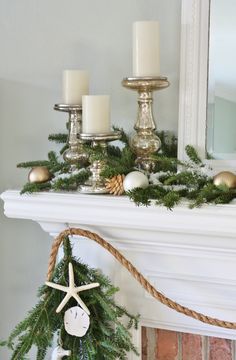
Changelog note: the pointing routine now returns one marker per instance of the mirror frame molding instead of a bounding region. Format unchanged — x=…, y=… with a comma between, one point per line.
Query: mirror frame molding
x=193, y=75
x=194, y=81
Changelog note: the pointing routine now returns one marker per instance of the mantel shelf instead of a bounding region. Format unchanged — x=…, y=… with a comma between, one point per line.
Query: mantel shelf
x=190, y=254
x=107, y=211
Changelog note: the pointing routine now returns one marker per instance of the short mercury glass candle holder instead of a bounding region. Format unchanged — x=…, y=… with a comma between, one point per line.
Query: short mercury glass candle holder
x=96, y=183
x=74, y=154
x=145, y=142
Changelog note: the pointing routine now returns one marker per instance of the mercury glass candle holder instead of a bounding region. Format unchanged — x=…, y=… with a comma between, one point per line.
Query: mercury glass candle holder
x=145, y=142
x=96, y=183
x=74, y=154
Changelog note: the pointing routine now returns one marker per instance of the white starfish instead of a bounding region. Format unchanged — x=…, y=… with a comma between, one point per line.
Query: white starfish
x=72, y=291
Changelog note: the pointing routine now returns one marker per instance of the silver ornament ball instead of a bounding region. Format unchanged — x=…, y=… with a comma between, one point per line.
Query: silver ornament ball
x=135, y=179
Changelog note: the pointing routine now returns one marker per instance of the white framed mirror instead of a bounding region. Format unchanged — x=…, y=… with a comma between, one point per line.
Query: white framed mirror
x=196, y=85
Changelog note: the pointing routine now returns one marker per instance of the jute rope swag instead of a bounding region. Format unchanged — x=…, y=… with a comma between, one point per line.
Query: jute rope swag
x=135, y=273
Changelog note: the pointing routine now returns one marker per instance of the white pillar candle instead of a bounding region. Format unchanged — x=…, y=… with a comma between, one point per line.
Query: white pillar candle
x=75, y=85
x=146, y=52
x=96, y=114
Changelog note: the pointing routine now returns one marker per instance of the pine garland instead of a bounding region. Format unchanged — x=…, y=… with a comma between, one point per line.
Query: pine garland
x=107, y=338
x=175, y=180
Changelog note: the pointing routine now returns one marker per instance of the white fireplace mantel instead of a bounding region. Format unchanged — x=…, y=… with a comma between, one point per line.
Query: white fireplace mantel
x=190, y=255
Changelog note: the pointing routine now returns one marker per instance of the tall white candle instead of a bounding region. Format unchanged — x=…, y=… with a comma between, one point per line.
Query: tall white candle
x=96, y=114
x=146, y=52
x=75, y=85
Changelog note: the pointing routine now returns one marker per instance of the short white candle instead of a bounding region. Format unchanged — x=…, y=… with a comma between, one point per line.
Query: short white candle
x=75, y=85
x=96, y=114
x=146, y=52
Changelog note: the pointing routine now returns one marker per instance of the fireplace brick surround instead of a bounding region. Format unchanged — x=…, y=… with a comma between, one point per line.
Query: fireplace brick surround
x=171, y=345
x=189, y=255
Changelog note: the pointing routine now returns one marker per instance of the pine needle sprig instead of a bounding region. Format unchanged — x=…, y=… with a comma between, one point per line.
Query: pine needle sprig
x=213, y=194
x=58, y=138
x=193, y=155
x=114, y=151
x=122, y=165
x=63, y=149
x=168, y=144
x=70, y=182
x=187, y=178
x=145, y=196
x=30, y=188
x=52, y=164
x=124, y=137
x=31, y=164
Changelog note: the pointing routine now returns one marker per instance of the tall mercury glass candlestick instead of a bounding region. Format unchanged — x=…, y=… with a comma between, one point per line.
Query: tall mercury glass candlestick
x=145, y=142
x=146, y=79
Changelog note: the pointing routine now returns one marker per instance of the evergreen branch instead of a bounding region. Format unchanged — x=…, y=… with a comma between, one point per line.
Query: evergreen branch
x=170, y=200
x=114, y=151
x=52, y=157
x=123, y=165
x=71, y=182
x=164, y=163
x=3, y=343
x=58, y=138
x=213, y=194
x=124, y=137
x=41, y=353
x=31, y=164
x=193, y=155
x=187, y=178
x=107, y=338
x=30, y=188
x=63, y=149
x=168, y=144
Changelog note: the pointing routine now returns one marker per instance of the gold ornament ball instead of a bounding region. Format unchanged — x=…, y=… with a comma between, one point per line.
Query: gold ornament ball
x=225, y=178
x=39, y=174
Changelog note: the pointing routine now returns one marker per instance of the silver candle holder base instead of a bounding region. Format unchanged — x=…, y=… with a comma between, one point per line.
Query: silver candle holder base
x=74, y=155
x=96, y=184
x=145, y=142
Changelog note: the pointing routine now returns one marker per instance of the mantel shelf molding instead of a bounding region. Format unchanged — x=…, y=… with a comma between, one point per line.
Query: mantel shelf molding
x=189, y=255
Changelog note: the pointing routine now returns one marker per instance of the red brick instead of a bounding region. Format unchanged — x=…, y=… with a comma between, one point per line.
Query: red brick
x=167, y=345
x=144, y=344
x=191, y=347
x=220, y=349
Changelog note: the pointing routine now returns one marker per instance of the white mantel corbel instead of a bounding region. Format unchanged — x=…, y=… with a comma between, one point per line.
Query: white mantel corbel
x=190, y=255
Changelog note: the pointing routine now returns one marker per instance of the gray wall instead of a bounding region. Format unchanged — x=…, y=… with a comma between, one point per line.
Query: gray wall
x=38, y=40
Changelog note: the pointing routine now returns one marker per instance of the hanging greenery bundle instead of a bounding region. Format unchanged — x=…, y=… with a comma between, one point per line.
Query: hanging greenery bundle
x=107, y=336
x=172, y=181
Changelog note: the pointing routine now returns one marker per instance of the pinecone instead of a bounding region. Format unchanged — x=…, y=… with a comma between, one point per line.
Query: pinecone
x=114, y=185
